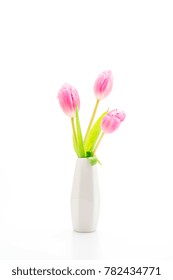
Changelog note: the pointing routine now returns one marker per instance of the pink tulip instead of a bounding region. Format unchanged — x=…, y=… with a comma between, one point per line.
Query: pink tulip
x=112, y=121
x=103, y=85
x=68, y=100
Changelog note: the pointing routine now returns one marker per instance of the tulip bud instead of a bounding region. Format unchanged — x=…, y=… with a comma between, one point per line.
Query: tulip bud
x=103, y=85
x=68, y=100
x=112, y=121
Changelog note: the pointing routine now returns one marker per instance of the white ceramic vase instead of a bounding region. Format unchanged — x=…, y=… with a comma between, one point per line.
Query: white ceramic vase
x=85, y=197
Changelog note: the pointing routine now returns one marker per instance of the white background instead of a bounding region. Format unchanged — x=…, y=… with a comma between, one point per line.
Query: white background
x=45, y=44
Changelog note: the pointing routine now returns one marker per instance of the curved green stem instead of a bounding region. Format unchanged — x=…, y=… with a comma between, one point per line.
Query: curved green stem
x=74, y=130
x=96, y=147
x=92, y=119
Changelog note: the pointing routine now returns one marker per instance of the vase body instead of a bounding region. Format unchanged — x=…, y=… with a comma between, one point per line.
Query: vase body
x=85, y=197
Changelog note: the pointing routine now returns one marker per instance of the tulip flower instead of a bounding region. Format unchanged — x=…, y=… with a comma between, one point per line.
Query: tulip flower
x=69, y=101
x=106, y=123
x=102, y=87
x=110, y=123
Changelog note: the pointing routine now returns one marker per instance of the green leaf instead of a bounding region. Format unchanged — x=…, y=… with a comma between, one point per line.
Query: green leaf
x=99, y=161
x=80, y=144
x=94, y=134
x=93, y=160
x=89, y=154
x=75, y=145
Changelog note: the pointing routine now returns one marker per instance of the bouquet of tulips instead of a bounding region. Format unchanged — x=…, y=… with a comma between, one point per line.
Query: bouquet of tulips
x=108, y=122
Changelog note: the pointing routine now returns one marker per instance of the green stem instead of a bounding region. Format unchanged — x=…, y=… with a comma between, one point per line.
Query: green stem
x=74, y=130
x=91, y=120
x=96, y=147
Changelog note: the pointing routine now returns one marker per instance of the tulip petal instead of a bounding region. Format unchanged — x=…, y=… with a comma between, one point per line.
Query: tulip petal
x=112, y=121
